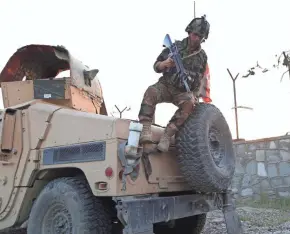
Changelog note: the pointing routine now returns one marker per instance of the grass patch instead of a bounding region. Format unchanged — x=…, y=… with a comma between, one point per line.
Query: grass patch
x=266, y=202
x=245, y=218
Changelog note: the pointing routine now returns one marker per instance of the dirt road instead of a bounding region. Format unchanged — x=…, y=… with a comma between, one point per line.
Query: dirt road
x=254, y=221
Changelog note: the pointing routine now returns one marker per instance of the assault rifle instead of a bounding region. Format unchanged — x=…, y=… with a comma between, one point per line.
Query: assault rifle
x=174, y=54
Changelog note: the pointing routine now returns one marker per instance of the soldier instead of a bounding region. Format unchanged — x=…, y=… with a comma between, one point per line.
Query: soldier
x=169, y=90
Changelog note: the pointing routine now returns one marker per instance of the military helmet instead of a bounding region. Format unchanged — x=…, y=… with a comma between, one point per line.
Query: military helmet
x=200, y=26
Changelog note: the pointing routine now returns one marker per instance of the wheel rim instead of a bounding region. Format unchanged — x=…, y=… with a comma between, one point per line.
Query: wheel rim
x=57, y=220
x=216, y=147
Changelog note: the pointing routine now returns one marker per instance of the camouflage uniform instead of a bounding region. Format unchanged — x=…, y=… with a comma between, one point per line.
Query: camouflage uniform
x=169, y=90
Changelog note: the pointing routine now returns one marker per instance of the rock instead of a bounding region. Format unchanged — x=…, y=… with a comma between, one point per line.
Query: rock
x=285, y=155
x=276, y=182
x=284, y=168
x=235, y=190
x=241, y=150
x=272, y=145
x=246, y=181
x=239, y=168
x=265, y=184
x=251, y=167
x=285, y=144
x=273, y=159
x=262, y=169
x=247, y=192
x=284, y=194
x=272, y=170
x=260, y=155
x=287, y=180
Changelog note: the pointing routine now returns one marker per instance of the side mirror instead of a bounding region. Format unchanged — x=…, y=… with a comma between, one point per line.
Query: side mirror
x=90, y=75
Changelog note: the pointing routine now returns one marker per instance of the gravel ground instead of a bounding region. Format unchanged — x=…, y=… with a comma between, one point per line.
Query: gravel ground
x=254, y=221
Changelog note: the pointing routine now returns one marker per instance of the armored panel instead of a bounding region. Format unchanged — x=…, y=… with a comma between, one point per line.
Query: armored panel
x=87, y=152
x=49, y=89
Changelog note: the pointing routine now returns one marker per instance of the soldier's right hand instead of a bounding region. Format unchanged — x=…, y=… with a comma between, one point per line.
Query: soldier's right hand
x=168, y=63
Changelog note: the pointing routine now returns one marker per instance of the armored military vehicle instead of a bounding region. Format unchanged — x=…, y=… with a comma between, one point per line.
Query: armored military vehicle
x=68, y=167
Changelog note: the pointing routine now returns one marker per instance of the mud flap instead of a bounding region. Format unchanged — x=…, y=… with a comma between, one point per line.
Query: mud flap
x=232, y=220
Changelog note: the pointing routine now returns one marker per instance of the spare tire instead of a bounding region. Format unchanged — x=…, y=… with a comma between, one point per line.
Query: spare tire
x=205, y=150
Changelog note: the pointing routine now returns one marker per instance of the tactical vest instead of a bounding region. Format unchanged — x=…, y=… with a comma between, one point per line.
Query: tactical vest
x=193, y=62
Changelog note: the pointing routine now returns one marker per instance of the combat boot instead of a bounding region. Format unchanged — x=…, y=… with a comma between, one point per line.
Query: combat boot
x=164, y=142
x=145, y=136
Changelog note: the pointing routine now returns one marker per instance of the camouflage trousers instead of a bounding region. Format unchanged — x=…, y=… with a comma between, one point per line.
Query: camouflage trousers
x=165, y=93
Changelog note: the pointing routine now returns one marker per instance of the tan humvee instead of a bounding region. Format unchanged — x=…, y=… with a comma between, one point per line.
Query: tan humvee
x=68, y=167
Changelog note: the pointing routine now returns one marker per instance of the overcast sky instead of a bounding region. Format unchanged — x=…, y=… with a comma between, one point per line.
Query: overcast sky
x=122, y=38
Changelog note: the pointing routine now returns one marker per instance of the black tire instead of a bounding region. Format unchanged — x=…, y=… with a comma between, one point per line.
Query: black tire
x=69, y=203
x=188, y=225
x=195, y=150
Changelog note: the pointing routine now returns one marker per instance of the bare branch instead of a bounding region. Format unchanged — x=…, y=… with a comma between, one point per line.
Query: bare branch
x=283, y=75
x=286, y=62
x=117, y=108
x=124, y=109
x=121, y=112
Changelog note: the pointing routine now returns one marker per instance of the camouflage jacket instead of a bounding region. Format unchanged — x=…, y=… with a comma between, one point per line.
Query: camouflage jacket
x=194, y=63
